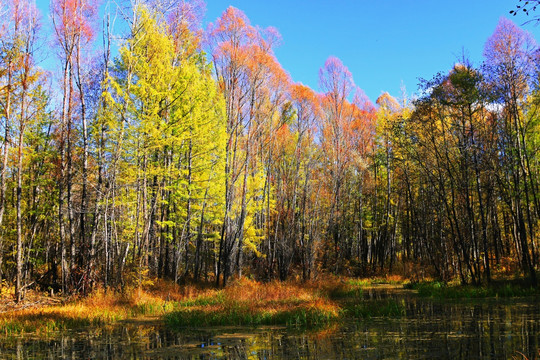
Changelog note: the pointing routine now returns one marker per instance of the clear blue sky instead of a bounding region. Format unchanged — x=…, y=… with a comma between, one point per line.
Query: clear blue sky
x=383, y=43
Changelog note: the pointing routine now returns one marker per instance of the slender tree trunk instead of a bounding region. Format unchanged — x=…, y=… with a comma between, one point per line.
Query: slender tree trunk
x=18, y=284
x=5, y=154
x=89, y=253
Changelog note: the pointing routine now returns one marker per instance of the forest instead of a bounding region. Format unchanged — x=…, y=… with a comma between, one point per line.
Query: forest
x=188, y=154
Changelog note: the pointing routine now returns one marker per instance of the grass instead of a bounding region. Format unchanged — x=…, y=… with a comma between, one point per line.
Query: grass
x=99, y=309
x=234, y=313
x=379, y=280
x=312, y=304
x=440, y=290
x=379, y=308
x=244, y=302
x=252, y=303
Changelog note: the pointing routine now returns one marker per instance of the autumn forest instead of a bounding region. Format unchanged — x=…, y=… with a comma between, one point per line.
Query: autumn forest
x=187, y=153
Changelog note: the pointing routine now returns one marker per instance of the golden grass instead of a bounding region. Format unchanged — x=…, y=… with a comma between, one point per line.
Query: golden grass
x=243, y=302
x=100, y=308
x=250, y=290
x=248, y=302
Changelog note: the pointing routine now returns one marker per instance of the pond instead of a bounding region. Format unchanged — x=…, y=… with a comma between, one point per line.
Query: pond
x=459, y=329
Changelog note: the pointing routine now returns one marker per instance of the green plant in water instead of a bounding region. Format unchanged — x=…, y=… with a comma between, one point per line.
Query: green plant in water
x=241, y=315
x=443, y=291
x=379, y=308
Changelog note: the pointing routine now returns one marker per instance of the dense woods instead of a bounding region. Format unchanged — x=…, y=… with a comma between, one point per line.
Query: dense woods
x=189, y=154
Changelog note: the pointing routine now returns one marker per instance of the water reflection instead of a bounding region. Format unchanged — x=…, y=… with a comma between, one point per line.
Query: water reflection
x=491, y=329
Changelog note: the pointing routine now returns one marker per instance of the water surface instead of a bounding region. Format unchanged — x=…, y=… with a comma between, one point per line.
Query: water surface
x=471, y=329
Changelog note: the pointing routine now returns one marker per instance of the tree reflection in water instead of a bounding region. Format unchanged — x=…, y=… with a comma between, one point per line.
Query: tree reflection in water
x=489, y=329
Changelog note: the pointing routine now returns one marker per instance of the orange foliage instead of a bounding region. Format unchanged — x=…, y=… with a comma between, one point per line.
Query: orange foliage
x=73, y=20
x=184, y=25
x=308, y=108
x=348, y=129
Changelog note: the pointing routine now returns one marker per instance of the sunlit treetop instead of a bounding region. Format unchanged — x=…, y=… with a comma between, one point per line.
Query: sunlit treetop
x=73, y=19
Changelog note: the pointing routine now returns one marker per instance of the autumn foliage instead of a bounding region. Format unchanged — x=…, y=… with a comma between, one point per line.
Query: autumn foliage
x=190, y=154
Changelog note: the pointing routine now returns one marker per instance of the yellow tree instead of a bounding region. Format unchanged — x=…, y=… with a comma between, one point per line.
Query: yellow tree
x=22, y=103
x=169, y=168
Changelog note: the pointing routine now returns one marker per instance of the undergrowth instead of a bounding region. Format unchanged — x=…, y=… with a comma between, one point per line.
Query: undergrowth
x=99, y=309
x=244, y=302
x=311, y=304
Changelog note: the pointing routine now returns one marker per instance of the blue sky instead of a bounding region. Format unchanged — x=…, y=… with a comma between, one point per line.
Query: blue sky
x=383, y=43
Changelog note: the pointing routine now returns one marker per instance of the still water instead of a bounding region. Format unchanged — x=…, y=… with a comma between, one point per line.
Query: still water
x=486, y=329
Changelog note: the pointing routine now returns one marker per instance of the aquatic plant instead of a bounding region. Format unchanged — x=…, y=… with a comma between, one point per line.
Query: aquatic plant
x=442, y=290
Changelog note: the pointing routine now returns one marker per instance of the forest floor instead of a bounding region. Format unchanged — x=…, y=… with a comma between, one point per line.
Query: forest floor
x=243, y=302
x=33, y=300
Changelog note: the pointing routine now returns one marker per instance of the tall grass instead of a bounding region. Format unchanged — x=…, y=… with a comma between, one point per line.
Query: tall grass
x=244, y=302
x=248, y=302
x=251, y=303
x=98, y=309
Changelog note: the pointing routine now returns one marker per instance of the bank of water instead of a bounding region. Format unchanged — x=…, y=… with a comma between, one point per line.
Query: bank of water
x=458, y=329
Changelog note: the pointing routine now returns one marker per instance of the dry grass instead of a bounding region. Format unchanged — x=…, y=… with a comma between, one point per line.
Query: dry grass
x=243, y=302
x=248, y=290
x=314, y=303
x=248, y=302
x=43, y=315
